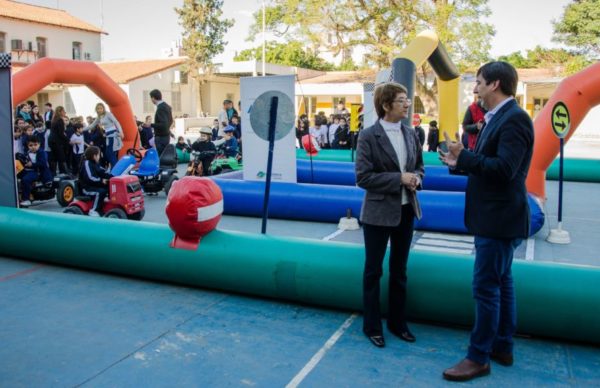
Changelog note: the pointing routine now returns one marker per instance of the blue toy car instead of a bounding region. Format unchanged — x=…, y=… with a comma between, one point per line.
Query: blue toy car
x=155, y=173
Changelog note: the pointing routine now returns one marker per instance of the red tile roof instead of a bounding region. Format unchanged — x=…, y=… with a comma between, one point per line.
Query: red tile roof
x=35, y=14
x=123, y=72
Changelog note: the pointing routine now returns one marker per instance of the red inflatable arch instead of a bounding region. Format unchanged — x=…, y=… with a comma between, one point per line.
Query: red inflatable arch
x=36, y=76
x=580, y=92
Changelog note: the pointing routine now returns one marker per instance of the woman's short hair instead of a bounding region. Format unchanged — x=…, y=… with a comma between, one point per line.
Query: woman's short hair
x=385, y=94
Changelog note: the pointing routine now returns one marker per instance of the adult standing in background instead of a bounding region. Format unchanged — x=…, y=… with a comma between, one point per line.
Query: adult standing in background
x=112, y=132
x=472, y=123
x=58, y=142
x=496, y=212
x=389, y=166
x=163, y=120
x=419, y=129
x=226, y=115
x=433, y=137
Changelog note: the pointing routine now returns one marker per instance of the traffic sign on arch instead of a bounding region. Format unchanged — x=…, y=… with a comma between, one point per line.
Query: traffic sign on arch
x=561, y=119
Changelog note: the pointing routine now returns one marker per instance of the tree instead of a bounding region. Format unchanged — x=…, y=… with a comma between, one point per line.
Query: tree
x=382, y=28
x=516, y=59
x=288, y=54
x=203, y=38
x=579, y=26
x=570, y=62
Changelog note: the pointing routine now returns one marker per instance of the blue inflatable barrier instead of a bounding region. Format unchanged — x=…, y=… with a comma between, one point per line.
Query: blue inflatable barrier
x=437, y=178
x=442, y=211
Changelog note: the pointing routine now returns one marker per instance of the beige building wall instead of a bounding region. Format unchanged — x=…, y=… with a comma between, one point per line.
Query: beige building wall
x=177, y=95
x=218, y=89
x=59, y=40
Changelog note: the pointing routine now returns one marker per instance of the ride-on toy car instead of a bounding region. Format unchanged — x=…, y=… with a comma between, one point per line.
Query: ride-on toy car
x=195, y=167
x=125, y=200
x=155, y=174
x=61, y=187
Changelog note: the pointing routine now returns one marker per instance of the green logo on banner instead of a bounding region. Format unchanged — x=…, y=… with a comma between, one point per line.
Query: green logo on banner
x=561, y=120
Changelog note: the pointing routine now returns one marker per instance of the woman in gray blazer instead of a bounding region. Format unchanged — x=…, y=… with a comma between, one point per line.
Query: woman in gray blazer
x=389, y=166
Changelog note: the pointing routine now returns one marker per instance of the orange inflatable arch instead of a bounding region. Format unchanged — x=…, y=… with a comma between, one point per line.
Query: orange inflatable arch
x=36, y=76
x=580, y=92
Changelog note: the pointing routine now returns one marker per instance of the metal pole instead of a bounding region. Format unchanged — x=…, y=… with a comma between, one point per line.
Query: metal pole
x=560, y=183
x=272, y=123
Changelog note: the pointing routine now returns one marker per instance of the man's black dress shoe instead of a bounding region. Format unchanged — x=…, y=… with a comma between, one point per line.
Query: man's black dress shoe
x=504, y=359
x=377, y=340
x=403, y=334
x=466, y=370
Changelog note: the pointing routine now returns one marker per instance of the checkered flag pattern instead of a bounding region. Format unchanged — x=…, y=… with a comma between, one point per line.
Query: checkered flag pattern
x=5, y=60
x=368, y=87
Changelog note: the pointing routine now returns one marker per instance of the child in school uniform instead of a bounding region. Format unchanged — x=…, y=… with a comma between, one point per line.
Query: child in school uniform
x=93, y=179
x=40, y=132
x=27, y=133
x=35, y=169
x=231, y=144
x=18, y=141
x=77, y=143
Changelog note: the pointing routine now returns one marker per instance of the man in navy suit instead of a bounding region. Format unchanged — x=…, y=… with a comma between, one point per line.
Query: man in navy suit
x=496, y=212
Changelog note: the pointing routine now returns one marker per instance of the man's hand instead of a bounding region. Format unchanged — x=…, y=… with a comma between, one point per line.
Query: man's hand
x=410, y=180
x=454, y=149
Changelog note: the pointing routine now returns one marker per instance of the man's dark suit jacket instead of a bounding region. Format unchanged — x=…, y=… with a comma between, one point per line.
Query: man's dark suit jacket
x=378, y=172
x=496, y=199
x=163, y=119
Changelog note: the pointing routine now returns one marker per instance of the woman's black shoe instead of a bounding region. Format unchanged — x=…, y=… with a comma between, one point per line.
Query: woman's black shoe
x=377, y=340
x=403, y=334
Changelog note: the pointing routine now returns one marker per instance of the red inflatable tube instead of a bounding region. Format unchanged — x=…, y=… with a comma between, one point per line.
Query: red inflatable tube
x=580, y=92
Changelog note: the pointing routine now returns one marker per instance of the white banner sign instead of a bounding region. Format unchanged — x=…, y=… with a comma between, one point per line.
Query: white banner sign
x=255, y=142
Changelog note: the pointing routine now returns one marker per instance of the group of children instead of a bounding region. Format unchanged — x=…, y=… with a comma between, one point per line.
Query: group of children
x=331, y=133
x=36, y=161
x=210, y=139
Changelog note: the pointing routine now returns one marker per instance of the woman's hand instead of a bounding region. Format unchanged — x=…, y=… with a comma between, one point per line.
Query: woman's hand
x=410, y=180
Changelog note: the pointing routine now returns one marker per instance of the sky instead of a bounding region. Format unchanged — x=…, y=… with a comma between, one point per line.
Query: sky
x=139, y=29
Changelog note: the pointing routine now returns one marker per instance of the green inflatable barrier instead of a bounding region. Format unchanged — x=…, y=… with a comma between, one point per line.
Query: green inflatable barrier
x=182, y=157
x=327, y=155
x=576, y=170
x=555, y=300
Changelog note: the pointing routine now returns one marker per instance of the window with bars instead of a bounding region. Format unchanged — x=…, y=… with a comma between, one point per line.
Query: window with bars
x=176, y=101
x=2, y=42
x=77, y=51
x=42, y=98
x=148, y=105
x=41, y=47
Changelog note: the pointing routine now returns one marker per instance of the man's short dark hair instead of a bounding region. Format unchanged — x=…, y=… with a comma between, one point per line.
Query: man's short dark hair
x=156, y=94
x=385, y=94
x=503, y=72
x=48, y=104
